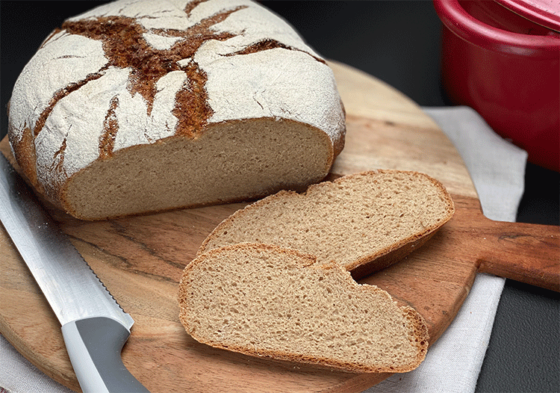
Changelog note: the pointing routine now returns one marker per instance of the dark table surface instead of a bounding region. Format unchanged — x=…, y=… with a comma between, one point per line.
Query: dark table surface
x=398, y=42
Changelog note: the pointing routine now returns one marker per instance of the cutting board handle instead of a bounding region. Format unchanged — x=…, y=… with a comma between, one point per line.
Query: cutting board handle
x=522, y=252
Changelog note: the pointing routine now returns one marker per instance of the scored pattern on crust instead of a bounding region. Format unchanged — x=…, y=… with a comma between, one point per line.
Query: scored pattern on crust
x=153, y=80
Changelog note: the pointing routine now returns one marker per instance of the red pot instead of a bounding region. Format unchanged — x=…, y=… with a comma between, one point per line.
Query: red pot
x=507, y=67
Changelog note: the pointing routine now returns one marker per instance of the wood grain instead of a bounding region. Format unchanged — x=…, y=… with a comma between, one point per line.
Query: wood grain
x=140, y=260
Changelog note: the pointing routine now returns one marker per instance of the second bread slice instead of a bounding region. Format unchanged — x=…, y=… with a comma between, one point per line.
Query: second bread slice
x=263, y=300
x=363, y=222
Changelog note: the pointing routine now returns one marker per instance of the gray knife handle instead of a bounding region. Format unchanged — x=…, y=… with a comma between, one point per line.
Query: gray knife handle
x=94, y=346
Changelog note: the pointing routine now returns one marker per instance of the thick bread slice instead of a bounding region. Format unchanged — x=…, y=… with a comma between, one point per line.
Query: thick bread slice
x=139, y=106
x=364, y=221
x=263, y=300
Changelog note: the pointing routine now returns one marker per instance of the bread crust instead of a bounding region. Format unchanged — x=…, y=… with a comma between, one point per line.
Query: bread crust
x=415, y=319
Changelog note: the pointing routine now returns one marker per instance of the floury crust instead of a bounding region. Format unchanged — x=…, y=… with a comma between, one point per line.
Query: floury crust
x=133, y=73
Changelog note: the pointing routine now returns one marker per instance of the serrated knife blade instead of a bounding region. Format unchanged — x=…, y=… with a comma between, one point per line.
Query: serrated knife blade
x=94, y=326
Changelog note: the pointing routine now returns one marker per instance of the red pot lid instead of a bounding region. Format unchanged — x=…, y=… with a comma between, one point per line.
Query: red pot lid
x=542, y=12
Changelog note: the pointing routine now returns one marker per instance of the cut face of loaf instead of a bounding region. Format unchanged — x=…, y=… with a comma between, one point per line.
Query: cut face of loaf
x=229, y=162
x=139, y=106
x=266, y=301
x=363, y=222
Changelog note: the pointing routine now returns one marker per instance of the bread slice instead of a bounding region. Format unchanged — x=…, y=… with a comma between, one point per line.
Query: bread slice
x=139, y=106
x=363, y=222
x=262, y=300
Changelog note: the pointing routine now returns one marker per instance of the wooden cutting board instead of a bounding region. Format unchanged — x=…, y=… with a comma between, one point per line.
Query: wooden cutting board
x=140, y=260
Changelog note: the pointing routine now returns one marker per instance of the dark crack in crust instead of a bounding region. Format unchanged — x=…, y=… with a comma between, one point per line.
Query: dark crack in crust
x=110, y=128
x=59, y=164
x=192, y=100
x=270, y=44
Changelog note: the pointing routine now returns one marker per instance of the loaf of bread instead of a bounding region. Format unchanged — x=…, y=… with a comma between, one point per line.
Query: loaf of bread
x=142, y=105
x=263, y=300
x=364, y=221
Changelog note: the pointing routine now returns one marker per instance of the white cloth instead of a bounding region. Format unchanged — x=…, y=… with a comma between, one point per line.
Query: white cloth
x=454, y=361
x=497, y=169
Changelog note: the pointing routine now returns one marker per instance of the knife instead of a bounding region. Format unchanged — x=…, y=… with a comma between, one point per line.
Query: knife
x=94, y=326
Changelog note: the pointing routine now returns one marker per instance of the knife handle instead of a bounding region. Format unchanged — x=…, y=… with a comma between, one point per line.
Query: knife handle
x=94, y=346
